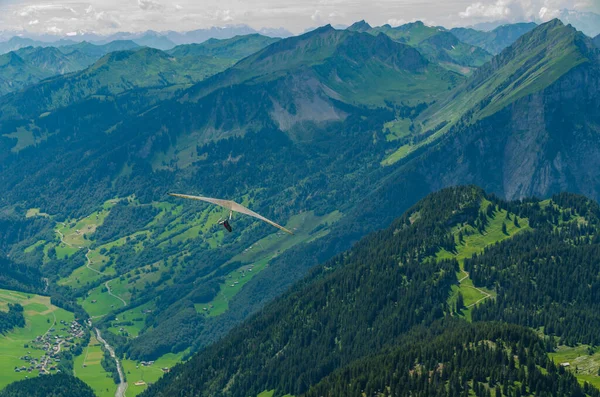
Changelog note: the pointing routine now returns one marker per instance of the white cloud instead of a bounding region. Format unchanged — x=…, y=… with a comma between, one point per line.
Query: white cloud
x=396, y=22
x=498, y=10
x=316, y=16
x=224, y=15
x=54, y=30
x=34, y=22
x=45, y=9
x=149, y=5
x=520, y=10
x=109, y=16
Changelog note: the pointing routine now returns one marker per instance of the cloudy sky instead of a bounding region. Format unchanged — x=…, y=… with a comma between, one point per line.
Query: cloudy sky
x=108, y=16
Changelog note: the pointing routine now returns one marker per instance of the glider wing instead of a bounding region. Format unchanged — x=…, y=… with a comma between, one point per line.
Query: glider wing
x=232, y=206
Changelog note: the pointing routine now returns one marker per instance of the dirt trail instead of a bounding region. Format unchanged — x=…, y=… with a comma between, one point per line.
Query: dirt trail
x=486, y=295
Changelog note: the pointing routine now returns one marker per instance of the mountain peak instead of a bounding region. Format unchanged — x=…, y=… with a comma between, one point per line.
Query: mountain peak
x=531, y=64
x=553, y=23
x=12, y=59
x=360, y=26
x=320, y=30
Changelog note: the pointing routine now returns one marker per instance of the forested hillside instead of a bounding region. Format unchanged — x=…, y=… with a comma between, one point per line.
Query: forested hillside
x=366, y=300
x=454, y=358
x=12, y=318
x=50, y=385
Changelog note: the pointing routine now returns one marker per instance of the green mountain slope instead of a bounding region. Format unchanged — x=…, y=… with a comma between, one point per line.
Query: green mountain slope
x=53, y=61
x=113, y=74
x=122, y=68
x=367, y=300
x=496, y=40
x=15, y=73
x=597, y=41
x=344, y=65
x=540, y=61
x=41, y=62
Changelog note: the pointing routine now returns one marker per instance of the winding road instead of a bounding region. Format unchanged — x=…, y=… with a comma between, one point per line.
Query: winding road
x=88, y=265
x=122, y=384
x=111, y=294
x=62, y=238
x=89, y=262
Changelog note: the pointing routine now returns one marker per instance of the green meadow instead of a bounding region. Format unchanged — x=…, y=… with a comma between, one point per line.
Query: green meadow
x=583, y=360
x=142, y=375
x=135, y=315
x=99, y=302
x=40, y=316
x=475, y=242
x=88, y=368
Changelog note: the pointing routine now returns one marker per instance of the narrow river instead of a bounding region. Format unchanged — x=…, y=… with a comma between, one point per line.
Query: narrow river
x=122, y=385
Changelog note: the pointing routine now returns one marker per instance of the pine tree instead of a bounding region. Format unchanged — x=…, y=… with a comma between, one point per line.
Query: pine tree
x=460, y=302
x=504, y=228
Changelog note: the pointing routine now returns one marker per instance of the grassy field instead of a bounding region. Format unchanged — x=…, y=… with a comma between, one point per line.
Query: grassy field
x=33, y=212
x=40, y=316
x=474, y=243
x=136, y=316
x=135, y=372
x=583, y=364
x=138, y=279
x=269, y=393
x=397, y=129
x=256, y=257
x=104, y=303
x=233, y=284
x=87, y=367
x=77, y=232
x=32, y=247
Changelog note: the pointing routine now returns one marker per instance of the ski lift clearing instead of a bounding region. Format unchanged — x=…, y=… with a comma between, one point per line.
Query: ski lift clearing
x=232, y=206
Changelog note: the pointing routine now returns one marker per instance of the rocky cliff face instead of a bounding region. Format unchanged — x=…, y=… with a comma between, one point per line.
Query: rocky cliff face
x=541, y=144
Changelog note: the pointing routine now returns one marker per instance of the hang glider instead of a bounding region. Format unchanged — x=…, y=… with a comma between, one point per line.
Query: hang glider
x=232, y=206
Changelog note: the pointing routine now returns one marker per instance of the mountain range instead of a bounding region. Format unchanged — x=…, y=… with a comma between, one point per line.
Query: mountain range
x=150, y=38
x=122, y=70
x=335, y=134
x=29, y=65
x=436, y=43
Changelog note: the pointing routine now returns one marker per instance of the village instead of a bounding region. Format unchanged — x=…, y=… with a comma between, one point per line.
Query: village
x=52, y=343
